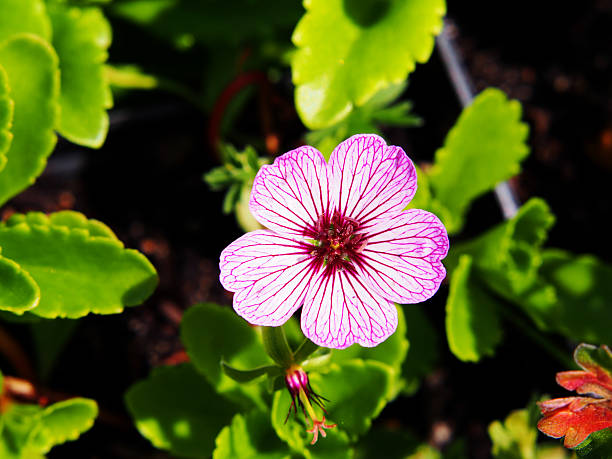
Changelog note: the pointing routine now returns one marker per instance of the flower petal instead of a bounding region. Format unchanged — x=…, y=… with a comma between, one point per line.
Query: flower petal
x=401, y=260
x=270, y=275
x=369, y=178
x=290, y=195
x=340, y=310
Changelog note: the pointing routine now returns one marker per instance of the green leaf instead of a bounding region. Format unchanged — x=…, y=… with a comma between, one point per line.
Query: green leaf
x=250, y=436
x=18, y=422
x=472, y=323
x=68, y=265
x=81, y=37
x=32, y=69
x=24, y=16
x=350, y=49
x=365, y=119
x=391, y=352
x=18, y=291
x=243, y=376
x=515, y=438
x=508, y=255
x=580, y=310
x=484, y=148
x=62, y=422
x=357, y=392
x=597, y=446
x=66, y=218
x=177, y=410
x=293, y=432
x=6, y=118
x=228, y=338
x=423, y=352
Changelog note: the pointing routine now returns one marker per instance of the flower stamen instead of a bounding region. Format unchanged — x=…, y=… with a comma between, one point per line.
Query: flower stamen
x=302, y=394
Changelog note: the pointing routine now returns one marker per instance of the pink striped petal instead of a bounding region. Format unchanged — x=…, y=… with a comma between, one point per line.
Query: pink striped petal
x=340, y=310
x=270, y=275
x=290, y=195
x=401, y=260
x=370, y=179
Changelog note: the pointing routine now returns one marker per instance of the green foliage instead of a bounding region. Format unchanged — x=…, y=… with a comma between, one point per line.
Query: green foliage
x=472, y=324
x=24, y=16
x=18, y=291
x=207, y=327
x=579, y=307
x=250, y=436
x=49, y=338
x=366, y=119
x=81, y=38
x=350, y=49
x=515, y=438
x=508, y=256
x=67, y=263
x=6, y=118
x=177, y=410
x=597, y=446
x=392, y=352
x=29, y=431
x=236, y=175
x=186, y=22
x=32, y=69
x=484, y=148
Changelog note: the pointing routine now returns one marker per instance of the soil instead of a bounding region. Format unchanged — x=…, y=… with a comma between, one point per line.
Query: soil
x=145, y=183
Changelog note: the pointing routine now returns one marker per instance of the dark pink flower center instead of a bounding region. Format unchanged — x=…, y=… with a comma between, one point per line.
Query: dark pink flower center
x=337, y=242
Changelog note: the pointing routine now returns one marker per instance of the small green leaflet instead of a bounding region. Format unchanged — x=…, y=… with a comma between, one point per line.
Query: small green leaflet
x=81, y=37
x=484, y=148
x=78, y=270
x=32, y=69
x=350, y=49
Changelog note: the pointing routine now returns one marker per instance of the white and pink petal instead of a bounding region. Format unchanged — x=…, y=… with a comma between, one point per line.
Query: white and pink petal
x=402, y=258
x=270, y=274
x=369, y=179
x=340, y=310
x=289, y=195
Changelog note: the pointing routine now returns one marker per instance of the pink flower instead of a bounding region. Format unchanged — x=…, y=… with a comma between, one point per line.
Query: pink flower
x=340, y=244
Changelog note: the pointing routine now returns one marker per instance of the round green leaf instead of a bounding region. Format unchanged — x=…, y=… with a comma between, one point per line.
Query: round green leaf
x=177, y=410
x=78, y=273
x=61, y=422
x=32, y=69
x=81, y=37
x=472, y=324
x=18, y=291
x=248, y=437
x=6, y=118
x=24, y=16
x=211, y=334
x=484, y=148
x=350, y=49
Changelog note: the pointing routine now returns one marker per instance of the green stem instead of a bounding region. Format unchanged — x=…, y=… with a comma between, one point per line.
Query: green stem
x=304, y=351
x=276, y=345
